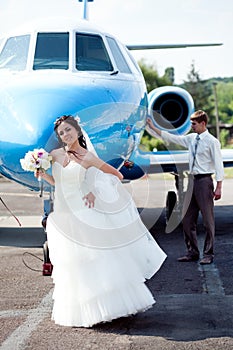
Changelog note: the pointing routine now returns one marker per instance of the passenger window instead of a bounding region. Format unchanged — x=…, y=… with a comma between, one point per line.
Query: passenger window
x=91, y=53
x=122, y=65
x=52, y=51
x=14, y=53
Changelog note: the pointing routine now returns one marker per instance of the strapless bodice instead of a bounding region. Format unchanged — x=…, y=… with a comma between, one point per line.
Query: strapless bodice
x=69, y=185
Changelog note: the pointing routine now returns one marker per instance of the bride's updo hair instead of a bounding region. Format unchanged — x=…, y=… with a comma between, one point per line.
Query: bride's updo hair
x=69, y=119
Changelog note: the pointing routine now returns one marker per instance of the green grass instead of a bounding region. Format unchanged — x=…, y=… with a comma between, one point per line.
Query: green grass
x=228, y=174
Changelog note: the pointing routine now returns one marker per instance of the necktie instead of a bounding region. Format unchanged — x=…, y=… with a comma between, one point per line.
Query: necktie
x=195, y=149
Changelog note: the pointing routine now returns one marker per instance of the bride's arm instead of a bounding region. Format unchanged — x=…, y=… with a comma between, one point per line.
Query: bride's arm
x=88, y=159
x=45, y=176
x=105, y=167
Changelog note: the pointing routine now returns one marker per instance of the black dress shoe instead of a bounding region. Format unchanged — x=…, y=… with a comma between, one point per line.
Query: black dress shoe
x=188, y=258
x=206, y=260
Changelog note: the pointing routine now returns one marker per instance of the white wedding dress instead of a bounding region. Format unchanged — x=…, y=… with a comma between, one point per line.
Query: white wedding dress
x=101, y=256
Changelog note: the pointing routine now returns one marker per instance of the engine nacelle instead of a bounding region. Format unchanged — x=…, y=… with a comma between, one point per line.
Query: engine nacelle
x=170, y=108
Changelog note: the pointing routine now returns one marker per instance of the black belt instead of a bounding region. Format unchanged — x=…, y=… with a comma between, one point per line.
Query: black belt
x=200, y=176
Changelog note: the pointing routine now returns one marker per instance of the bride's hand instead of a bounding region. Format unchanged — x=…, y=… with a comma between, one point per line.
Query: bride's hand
x=89, y=200
x=39, y=173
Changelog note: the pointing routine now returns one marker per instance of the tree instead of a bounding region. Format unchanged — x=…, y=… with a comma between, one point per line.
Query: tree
x=200, y=90
x=225, y=101
x=170, y=74
x=152, y=78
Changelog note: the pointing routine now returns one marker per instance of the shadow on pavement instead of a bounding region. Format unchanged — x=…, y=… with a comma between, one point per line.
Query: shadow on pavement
x=22, y=237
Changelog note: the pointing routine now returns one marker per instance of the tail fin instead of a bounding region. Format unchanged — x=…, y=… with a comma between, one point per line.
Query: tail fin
x=85, y=15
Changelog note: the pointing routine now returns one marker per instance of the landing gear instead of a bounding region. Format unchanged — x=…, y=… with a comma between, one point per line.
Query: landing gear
x=174, y=204
x=47, y=265
x=170, y=204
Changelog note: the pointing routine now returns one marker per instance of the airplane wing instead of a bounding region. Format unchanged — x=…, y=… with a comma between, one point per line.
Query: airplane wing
x=168, y=46
x=171, y=161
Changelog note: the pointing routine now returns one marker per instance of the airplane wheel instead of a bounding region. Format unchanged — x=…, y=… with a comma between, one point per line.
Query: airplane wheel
x=44, y=222
x=170, y=203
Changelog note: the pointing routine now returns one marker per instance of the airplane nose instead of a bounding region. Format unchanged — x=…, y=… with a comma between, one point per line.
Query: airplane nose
x=27, y=117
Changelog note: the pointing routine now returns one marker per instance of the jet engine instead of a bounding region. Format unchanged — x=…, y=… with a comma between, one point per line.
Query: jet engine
x=170, y=108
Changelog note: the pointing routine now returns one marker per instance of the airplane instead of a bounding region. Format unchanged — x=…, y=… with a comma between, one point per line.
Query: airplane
x=62, y=66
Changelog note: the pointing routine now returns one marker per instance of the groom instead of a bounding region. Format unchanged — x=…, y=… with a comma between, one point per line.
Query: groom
x=204, y=160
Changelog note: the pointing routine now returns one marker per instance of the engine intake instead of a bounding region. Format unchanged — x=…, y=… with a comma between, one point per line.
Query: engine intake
x=170, y=108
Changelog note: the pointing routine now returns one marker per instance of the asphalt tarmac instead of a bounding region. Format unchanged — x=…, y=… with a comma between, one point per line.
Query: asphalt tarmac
x=194, y=303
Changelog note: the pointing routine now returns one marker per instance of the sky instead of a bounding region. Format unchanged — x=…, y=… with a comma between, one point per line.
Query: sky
x=149, y=22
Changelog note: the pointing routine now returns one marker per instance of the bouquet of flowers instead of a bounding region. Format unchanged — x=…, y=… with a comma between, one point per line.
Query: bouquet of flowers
x=38, y=159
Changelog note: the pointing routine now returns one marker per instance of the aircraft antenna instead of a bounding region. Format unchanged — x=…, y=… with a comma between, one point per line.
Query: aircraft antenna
x=85, y=16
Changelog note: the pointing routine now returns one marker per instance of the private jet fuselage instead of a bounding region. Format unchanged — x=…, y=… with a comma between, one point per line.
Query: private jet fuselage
x=61, y=66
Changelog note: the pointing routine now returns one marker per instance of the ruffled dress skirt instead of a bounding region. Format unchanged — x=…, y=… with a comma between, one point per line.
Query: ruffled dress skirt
x=102, y=256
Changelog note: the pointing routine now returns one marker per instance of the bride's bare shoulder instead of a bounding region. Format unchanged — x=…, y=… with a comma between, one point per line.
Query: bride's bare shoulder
x=90, y=156
x=57, y=153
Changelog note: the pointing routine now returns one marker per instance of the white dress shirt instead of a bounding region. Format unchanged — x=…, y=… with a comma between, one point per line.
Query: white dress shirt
x=208, y=159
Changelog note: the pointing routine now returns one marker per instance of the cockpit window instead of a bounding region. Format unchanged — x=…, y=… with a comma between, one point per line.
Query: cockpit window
x=132, y=60
x=14, y=53
x=52, y=51
x=118, y=56
x=91, y=54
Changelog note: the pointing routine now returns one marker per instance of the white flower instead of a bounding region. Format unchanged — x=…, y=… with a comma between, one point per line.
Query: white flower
x=36, y=159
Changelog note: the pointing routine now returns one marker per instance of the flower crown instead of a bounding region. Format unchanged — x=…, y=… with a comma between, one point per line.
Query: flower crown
x=61, y=119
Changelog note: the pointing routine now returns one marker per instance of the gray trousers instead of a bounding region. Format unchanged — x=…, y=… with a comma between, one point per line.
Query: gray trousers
x=199, y=198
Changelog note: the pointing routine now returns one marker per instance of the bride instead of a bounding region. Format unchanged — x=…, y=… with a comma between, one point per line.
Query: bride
x=101, y=251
